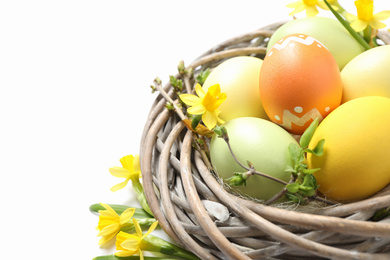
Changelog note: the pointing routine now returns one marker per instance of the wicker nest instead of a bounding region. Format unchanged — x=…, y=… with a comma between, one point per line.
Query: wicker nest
x=187, y=198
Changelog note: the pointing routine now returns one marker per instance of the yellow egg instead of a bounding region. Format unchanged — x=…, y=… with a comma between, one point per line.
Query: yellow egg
x=238, y=77
x=355, y=163
x=368, y=74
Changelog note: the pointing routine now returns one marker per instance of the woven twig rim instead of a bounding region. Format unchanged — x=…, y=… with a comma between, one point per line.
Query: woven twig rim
x=177, y=180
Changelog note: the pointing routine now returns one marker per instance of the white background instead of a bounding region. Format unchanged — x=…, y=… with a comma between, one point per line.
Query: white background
x=74, y=78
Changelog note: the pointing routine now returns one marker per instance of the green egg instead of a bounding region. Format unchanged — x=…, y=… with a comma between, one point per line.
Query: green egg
x=328, y=31
x=259, y=141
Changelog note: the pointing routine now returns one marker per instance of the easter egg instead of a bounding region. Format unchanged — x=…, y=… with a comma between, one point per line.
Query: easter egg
x=328, y=31
x=299, y=82
x=262, y=143
x=368, y=74
x=238, y=77
x=355, y=163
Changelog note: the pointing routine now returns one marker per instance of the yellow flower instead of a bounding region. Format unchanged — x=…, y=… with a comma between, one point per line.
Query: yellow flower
x=130, y=170
x=131, y=244
x=110, y=222
x=206, y=104
x=365, y=16
x=309, y=5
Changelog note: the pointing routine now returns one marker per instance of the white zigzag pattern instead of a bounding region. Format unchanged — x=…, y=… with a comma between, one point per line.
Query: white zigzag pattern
x=308, y=41
x=289, y=118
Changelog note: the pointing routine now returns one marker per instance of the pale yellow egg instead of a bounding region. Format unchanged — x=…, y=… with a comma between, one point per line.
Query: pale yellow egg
x=368, y=74
x=238, y=77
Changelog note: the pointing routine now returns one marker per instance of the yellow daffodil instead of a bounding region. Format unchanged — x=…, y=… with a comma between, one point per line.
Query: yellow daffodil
x=131, y=244
x=309, y=5
x=110, y=223
x=366, y=17
x=130, y=170
x=206, y=104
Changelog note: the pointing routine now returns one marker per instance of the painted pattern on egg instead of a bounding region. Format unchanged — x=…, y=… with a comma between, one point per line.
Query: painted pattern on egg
x=289, y=118
x=307, y=40
x=299, y=82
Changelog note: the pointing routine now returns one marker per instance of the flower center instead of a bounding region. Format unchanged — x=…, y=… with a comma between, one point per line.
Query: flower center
x=310, y=2
x=365, y=9
x=211, y=102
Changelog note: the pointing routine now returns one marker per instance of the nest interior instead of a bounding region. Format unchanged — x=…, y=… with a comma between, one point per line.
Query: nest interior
x=197, y=212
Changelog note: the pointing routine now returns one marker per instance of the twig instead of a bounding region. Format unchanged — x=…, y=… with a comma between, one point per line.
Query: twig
x=251, y=170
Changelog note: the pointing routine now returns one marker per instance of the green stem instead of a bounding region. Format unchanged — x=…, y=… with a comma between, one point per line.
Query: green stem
x=340, y=9
x=348, y=27
x=156, y=244
x=251, y=169
x=139, y=213
x=143, y=222
x=368, y=36
x=139, y=190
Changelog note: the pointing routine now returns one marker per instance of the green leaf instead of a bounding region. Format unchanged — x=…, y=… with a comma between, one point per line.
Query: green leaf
x=177, y=84
x=319, y=149
x=195, y=121
x=221, y=131
x=218, y=130
x=308, y=134
x=295, y=152
x=309, y=182
x=238, y=179
x=201, y=78
x=310, y=171
x=289, y=168
x=292, y=187
x=381, y=214
x=308, y=192
x=297, y=198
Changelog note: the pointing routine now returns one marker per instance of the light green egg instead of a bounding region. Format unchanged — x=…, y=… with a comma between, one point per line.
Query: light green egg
x=328, y=31
x=259, y=141
x=368, y=74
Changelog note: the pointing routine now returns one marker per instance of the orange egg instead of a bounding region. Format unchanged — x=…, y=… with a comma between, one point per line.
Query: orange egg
x=299, y=81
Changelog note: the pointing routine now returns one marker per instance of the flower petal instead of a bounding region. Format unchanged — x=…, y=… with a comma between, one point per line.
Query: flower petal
x=126, y=215
x=209, y=119
x=359, y=25
x=382, y=15
x=109, y=230
x=376, y=24
x=151, y=228
x=123, y=253
x=199, y=91
x=311, y=11
x=189, y=99
x=137, y=228
x=350, y=17
x=219, y=120
x=105, y=239
x=131, y=244
x=108, y=211
x=295, y=4
x=196, y=110
x=119, y=186
x=119, y=172
x=298, y=9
